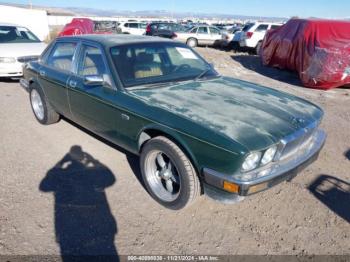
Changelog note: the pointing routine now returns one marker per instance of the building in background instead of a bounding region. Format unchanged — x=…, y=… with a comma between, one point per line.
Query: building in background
x=33, y=19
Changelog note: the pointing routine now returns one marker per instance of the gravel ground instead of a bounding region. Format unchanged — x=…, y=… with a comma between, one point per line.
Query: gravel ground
x=309, y=215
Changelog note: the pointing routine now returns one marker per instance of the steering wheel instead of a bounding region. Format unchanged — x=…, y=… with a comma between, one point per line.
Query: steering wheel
x=181, y=67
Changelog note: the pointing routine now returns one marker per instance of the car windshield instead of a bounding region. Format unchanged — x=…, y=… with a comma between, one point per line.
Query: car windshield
x=162, y=62
x=13, y=34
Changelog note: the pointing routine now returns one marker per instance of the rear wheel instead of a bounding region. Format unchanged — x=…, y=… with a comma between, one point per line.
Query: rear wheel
x=168, y=174
x=258, y=48
x=42, y=109
x=192, y=42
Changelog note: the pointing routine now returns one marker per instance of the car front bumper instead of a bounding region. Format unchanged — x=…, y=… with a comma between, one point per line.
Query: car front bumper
x=275, y=172
x=11, y=69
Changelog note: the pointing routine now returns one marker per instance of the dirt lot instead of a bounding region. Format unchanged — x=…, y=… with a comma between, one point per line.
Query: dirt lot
x=310, y=215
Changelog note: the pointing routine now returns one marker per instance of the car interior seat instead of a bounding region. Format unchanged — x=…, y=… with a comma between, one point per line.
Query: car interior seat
x=93, y=65
x=146, y=67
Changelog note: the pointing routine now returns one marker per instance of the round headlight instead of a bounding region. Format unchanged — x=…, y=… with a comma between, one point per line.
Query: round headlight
x=251, y=161
x=269, y=155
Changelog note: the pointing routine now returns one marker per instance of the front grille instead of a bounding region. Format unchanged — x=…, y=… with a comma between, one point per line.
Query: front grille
x=26, y=59
x=297, y=141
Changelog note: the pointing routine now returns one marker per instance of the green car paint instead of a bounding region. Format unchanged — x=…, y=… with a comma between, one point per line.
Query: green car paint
x=217, y=122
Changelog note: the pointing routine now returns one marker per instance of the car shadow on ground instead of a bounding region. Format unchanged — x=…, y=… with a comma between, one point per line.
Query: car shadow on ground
x=132, y=159
x=334, y=193
x=84, y=225
x=253, y=62
x=9, y=80
x=347, y=154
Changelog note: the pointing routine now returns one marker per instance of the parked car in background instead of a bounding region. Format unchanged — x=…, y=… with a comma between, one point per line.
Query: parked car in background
x=133, y=28
x=166, y=30
x=234, y=43
x=253, y=37
x=228, y=36
x=200, y=35
x=84, y=26
x=194, y=130
x=18, y=45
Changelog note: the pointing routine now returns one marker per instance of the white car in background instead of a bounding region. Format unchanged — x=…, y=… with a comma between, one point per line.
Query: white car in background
x=18, y=45
x=133, y=28
x=228, y=36
x=200, y=35
x=254, y=35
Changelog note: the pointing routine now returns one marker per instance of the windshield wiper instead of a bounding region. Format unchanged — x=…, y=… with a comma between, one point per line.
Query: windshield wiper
x=152, y=85
x=203, y=73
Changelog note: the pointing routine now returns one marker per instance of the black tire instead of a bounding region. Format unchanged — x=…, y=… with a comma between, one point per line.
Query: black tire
x=50, y=116
x=190, y=187
x=258, y=48
x=192, y=40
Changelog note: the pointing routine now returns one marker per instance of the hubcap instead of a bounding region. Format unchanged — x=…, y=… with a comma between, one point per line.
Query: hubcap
x=192, y=43
x=162, y=176
x=37, y=104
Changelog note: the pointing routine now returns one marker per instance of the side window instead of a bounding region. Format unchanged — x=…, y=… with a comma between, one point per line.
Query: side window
x=133, y=25
x=61, y=56
x=202, y=30
x=194, y=30
x=91, y=62
x=162, y=27
x=275, y=26
x=261, y=28
x=214, y=31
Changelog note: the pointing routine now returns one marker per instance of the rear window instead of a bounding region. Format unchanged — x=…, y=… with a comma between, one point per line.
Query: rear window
x=261, y=28
x=13, y=34
x=247, y=27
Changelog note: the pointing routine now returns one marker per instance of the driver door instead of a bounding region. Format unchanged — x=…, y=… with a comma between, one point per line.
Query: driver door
x=91, y=103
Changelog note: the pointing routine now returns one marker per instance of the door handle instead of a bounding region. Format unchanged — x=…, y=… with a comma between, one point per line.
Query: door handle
x=42, y=73
x=72, y=83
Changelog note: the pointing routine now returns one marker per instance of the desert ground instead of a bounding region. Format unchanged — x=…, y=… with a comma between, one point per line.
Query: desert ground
x=309, y=215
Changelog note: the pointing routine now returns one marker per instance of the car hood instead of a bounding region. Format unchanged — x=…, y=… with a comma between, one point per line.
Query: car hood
x=21, y=49
x=250, y=114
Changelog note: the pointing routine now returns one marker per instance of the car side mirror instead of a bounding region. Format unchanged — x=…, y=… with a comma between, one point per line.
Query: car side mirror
x=212, y=65
x=94, y=80
x=98, y=80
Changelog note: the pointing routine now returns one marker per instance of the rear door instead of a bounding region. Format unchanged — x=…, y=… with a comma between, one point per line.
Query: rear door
x=203, y=36
x=215, y=35
x=92, y=105
x=55, y=72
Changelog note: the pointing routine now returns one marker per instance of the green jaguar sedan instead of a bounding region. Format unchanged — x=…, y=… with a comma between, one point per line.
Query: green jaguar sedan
x=196, y=132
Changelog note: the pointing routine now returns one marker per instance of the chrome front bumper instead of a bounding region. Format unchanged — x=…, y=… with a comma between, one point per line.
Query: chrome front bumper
x=24, y=83
x=276, y=172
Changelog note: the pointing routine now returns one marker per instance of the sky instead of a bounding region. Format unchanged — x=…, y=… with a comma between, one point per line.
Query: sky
x=275, y=8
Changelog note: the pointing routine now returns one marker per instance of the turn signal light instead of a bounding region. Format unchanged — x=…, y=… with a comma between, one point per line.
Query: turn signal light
x=257, y=188
x=231, y=187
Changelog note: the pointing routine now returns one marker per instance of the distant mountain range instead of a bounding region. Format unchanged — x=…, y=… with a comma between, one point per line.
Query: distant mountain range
x=146, y=13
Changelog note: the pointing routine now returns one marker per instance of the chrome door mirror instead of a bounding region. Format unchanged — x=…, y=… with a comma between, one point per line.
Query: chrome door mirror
x=94, y=80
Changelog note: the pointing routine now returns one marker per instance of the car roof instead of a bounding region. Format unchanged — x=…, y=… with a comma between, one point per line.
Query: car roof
x=9, y=24
x=117, y=39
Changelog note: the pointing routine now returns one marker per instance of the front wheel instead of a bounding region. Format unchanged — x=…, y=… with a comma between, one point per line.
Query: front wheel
x=168, y=174
x=42, y=109
x=192, y=42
